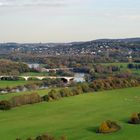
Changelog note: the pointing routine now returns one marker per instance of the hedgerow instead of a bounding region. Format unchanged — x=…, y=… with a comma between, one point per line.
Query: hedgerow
x=97, y=85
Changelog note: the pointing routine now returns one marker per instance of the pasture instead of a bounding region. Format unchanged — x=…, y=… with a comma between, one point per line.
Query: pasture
x=76, y=117
x=7, y=83
x=124, y=68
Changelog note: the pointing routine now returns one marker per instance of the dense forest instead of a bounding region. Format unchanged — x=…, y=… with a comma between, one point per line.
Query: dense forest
x=12, y=68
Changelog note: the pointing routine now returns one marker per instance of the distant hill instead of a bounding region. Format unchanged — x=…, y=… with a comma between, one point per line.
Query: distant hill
x=87, y=47
x=128, y=40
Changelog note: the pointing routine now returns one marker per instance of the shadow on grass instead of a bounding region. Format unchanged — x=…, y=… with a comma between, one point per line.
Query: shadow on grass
x=93, y=129
x=128, y=122
x=125, y=120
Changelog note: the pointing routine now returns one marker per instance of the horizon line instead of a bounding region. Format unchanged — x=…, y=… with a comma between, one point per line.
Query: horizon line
x=51, y=42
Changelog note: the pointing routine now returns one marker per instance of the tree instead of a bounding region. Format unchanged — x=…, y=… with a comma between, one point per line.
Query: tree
x=108, y=127
x=45, y=137
x=135, y=118
x=77, y=90
x=85, y=87
x=54, y=95
x=5, y=105
x=66, y=92
x=25, y=99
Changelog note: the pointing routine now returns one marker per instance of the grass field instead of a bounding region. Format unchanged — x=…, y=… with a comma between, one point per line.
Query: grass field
x=76, y=117
x=41, y=92
x=13, y=83
x=123, y=66
x=35, y=74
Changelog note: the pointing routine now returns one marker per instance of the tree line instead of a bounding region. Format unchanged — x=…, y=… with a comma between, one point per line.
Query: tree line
x=133, y=66
x=8, y=67
x=33, y=85
x=97, y=85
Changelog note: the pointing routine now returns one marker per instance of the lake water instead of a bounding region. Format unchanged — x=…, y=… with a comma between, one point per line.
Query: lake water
x=34, y=65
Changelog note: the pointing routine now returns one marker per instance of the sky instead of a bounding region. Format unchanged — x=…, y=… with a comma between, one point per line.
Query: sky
x=68, y=20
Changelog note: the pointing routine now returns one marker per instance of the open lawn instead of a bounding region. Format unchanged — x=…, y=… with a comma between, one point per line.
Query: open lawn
x=76, y=117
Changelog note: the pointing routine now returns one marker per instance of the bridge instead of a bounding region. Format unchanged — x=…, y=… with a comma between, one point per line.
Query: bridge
x=26, y=78
x=55, y=69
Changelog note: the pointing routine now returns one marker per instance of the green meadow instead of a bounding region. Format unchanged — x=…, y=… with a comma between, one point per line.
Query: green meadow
x=35, y=74
x=124, y=68
x=41, y=92
x=4, y=84
x=76, y=117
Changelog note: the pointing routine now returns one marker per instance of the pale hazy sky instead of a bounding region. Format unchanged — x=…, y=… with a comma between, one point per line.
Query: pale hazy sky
x=68, y=20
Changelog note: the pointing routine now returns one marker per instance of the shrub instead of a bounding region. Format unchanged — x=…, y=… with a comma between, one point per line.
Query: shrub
x=5, y=105
x=18, y=139
x=113, y=83
x=31, y=86
x=45, y=137
x=77, y=90
x=25, y=99
x=45, y=98
x=108, y=127
x=63, y=138
x=66, y=92
x=85, y=87
x=135, y=118
x=54, y=95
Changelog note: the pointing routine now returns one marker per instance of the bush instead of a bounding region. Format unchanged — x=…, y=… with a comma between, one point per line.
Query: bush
x=54, y=95
x=63, y=138
x=45, y=137
x=31, y=86
x=135, y=118
x=108, y=127
x=18, y=139
x=5, y=105
x=66, y=92
x=77, y=90
x=85, y=87
x=45, y=98
x=113, y=83
x=25, y=99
